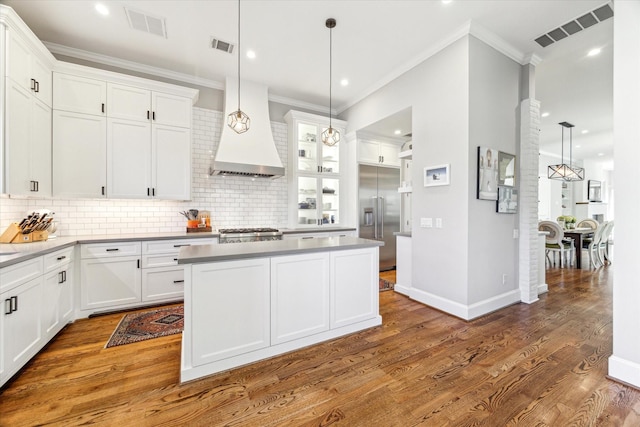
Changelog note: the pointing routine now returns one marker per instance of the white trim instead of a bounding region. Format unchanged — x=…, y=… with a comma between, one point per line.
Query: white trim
x=301, y=104
x=404, y=290
x=497, y=42
x=542, y=289
x=624, y=370
x=466, y=312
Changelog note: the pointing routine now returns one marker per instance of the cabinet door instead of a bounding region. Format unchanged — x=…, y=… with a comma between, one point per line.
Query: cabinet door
x=79, y=155
x=22, y=326
x=389, y=154
x=42, y=74
x=128, y=159
x=299, y=296
x=57, y=302
x=171, y=162
x=233, y=293
x=128, y=102
x=41, y=151
x=368, y=152
x=308, y=136
x=171, y=110
x=79, y=94
x=18, y=123
x=354, y=286
x=19, y=61
x=110, y=282
x=163, y=283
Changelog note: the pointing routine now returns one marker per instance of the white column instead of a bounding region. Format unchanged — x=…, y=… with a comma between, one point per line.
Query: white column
x=528, y=200
x=624, y=364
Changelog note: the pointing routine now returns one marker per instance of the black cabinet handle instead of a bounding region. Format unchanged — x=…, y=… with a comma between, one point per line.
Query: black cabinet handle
x=37, y=86
x=138, y=263
x=103, y=190
x=14, y=303
x=60, y=258
x=103, y=107
x=147, y=114
x=61, y=277
x=153, y=115
x=184, y=244
x=311, y=237
x=178, y=281
x=148, y=191
x=33, y=186
x=7, y=306
x=113, y=249
x=33, y=84
x=175, y=259
x=64, y=275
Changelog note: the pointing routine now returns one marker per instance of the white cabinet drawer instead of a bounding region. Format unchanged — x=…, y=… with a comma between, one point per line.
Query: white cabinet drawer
x=58, y=259
x=172, y=246
x=17, y=274
x=166, y=260
x=102, y=250
x=163, y=283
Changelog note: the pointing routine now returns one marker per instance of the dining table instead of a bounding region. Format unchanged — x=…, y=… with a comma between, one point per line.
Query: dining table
x=577, y=235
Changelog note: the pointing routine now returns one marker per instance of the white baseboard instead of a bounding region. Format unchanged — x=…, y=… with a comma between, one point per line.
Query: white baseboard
x=624, y=370
x=402, y=289
x=543, y=289
x=466, y=312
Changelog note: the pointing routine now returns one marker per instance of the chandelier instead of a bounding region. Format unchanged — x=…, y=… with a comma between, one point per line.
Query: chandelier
x=564, y=171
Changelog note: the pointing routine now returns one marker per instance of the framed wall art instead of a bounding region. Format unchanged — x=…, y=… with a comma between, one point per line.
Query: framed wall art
x=507, y=199
x=487, y=174
x=506, y=169
x=436, y=175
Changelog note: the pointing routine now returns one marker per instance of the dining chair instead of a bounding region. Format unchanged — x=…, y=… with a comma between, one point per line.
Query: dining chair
x=593, y=246
x=603, y=247
x=555, y=242
x=587, y=223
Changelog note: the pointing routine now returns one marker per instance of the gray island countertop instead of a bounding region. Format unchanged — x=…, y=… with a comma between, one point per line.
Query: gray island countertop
x=235, y=251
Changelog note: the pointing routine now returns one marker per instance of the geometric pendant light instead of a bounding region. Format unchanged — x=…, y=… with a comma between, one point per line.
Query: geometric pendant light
x=330, y=136
x=566, y=171
x=238, y=120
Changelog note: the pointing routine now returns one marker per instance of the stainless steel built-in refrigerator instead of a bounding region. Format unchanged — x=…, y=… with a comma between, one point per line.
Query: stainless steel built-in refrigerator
x=379, y=209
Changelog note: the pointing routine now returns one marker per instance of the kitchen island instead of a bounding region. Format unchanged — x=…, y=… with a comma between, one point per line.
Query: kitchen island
x=246, y=302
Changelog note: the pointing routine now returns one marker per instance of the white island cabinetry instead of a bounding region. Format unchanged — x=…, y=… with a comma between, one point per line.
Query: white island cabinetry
x=250, y=301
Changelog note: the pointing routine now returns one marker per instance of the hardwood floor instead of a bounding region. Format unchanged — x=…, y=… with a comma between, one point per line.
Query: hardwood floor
x=542, y=364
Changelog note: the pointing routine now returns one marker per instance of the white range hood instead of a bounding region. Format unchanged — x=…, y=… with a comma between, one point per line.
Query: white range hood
x=253, y=153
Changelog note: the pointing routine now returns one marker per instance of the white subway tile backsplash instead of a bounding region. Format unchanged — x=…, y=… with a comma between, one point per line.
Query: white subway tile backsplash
x=233, y=202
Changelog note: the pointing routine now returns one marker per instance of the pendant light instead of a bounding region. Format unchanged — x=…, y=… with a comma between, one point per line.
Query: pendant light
x=238, y=120
x=564, y=171
x=330, y=136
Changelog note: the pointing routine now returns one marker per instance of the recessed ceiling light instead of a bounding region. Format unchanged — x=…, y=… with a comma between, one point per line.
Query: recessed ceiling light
x=578, y=146
x=344, y=82
x=545, y=114
x=397, y=132
x=594, y=52
x=102, y=9
x=585, y=131
x=251, y=54
x=600, y=154
x=446, y=1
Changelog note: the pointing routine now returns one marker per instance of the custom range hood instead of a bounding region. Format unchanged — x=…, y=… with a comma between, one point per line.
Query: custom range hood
x=253, y=153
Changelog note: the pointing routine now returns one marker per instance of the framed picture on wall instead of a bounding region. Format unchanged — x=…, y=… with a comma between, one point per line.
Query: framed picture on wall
x=487, y=174
x=436, y=175
x=506, y=169
x=507, y=199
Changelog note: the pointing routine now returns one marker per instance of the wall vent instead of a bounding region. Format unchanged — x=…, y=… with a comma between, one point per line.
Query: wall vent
x=578, y=24
x=144, y=22
x=221, y=45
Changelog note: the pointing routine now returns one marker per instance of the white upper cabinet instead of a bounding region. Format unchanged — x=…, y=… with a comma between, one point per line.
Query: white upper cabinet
x=25, y=67
x=379, y=153
x=128, y=102
x=79, y=94
x=128, y=158
x=171, y=162
x=171, y=110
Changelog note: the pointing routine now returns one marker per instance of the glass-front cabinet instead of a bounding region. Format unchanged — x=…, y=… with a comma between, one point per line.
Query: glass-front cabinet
x=315, y=178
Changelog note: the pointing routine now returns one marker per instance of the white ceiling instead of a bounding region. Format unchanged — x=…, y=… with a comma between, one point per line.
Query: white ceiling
x=374, y=42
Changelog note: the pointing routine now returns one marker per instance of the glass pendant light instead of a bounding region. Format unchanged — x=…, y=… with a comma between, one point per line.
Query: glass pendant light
x=330, y=136
x=238, y=120
x=564, y=171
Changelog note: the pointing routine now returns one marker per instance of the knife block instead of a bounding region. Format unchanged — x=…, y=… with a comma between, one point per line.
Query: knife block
x=13, y=234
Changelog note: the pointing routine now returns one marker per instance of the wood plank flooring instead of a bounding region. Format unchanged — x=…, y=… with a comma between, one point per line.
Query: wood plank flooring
x=531, y=365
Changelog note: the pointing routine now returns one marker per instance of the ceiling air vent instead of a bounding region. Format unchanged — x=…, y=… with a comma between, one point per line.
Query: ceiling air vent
x=147, y=23
x=578, y=24
x=221, y=45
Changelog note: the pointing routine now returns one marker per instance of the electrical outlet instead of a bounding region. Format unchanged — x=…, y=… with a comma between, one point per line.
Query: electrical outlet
x=438, y=222
x=426, y=222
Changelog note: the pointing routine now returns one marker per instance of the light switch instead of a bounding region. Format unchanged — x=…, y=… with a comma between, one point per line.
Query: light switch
x=438, y=222
x=426, y=222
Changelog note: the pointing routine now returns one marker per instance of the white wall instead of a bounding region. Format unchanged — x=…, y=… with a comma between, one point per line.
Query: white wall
x=438, y=90
x=549, y=190
x=624, y=364
x=233, y=202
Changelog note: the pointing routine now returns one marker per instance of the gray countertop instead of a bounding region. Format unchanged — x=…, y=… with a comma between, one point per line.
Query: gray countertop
x=13, y=253
x=236, y=251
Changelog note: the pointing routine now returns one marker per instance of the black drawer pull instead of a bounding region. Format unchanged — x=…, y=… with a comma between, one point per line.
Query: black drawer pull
x=178, y=281
x=60, y=258
x=113, y=250
x=175, y=259
x=33, y=87
x=103, y=107
x=311, y=237
x=179, y=246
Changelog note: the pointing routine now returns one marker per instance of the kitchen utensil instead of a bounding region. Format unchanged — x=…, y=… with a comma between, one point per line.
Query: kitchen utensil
x=193, y=213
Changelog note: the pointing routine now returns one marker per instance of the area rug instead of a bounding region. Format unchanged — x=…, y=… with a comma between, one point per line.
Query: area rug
x=386, y=285
x=146, y=325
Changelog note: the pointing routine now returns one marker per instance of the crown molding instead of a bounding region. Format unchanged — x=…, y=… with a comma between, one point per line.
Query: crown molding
x=497, y=42
x=301, y=104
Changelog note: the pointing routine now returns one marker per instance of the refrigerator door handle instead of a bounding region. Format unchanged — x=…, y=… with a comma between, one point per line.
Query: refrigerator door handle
x=375, y=216
x=381, y=214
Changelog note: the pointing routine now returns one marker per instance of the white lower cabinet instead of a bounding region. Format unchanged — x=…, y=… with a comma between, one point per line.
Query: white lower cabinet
x=352, y=273
x=299, y=296
x=234, y=294
x=110, y=282
x=58, y=286
x=162, y=283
